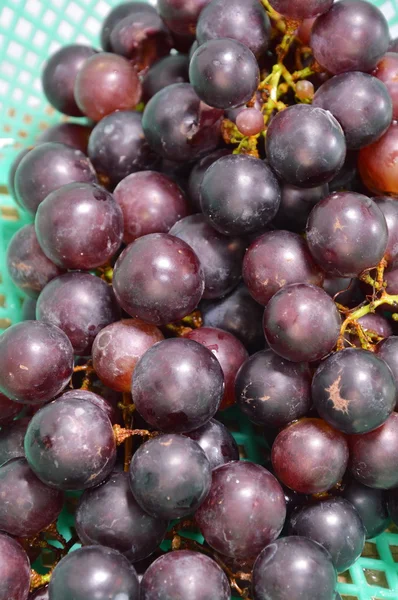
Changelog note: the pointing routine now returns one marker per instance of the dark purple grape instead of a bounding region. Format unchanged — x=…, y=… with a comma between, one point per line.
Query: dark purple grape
x=347, y=233
x=276, y=259
x=309, y=456
x=301, y=323
x=36, y=362
x=14, y=570
x=352, y=36
x=11, y=173
x=244, y=510
x=8, y=409
x=294, y=567
x=197, y=174
x=40, y=594
x=108, y=515
x=296, y=205
x=239, y=194
x=94, y=573
x=374, y=455
x=220, y=256
x=247, y=22
x=354, y=390
x=180, y=127
x=79, y=226
x=119, y=12
x=81, y=305
x=185, y=574
x=177, y=385
x=170, y=476
x=70, y=444
x=361, y=104
x=224, y=73
x=388, y=351
x=117, y=147
x=371, y=505
x=166, y=71
x=28, y=309
x=70, y=134
x=273, y=391
x=12, y=439
x=389, y=208
x=305, y=145
x=59, y=75
x=28, y=506
x=325, y=522
x=158, y=278
x=48, y=167
x=391, y=279
x=386, y=71
x=181, y=17
x=102, y=402
x=217, y=443
x=301, y=9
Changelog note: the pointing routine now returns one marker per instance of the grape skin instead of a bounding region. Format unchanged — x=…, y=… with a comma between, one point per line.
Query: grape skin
x=166, y=71
x=119, y=12
x=14, y=570
x=217, y=442
x=12, y=439
x=377, y=165
x=8, y=409
x=301, y=9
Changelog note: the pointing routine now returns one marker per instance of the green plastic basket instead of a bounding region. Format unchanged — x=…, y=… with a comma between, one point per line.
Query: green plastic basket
x=30, y=30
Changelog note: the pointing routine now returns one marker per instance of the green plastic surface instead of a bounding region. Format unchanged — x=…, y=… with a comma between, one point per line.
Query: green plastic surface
x=30, y=30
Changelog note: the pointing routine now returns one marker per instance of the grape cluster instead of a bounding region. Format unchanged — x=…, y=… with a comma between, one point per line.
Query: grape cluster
x=222, y=230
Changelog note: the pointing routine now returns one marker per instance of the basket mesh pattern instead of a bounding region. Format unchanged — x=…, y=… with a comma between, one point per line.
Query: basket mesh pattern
x=30, y=30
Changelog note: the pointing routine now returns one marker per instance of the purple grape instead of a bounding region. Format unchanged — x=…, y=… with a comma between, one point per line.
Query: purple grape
x=374, y=324
x=81, y=305
x=8, y=409
x=11, y=173
x=352, y=36
x=389, y=208
x=14, y=570
x=178, y=126
x=79, y=226
x=170, y=476
x=59, y=75
x=220, y=256
x=354, y=390
x=185, y=574
x=70, y=134
x=47, y=168
x=217, y=443
x=224, y=73
x=70, y=444
x=197, y=174
x=166, y=71
x=158, y=278
x=108, y=515
x=273, y=391
x=94, y=573
x=181, y=17
x=119, y=12
x=117, y=147
x=301, y=9
x=101, y=402
x=36, y=362
x=305, y=145
x=12, y=439
x=294, y=567
x=371, y=505
x=296, y=205
x=388, y=351
x=177, y=385
x=244, y=510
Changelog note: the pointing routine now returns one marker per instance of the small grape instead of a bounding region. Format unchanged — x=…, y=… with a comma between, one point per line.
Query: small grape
x=250, y=121
x=377, y=165
x=305, y=90
x=371, y=505
x=70, y=134
x=301, y=9
x=166, y=71
x=119, y=12
x=104, y=403
x=14, y=570
x=217, y=443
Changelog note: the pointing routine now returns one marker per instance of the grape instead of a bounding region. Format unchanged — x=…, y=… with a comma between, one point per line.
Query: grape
x=352, y=36
x=301, y=323
x=239, y=194
x=28, y=309
x=178, y=126
x=374, y=455
x=170, y=476
x=361, y=104
x=108, y=515
x=276, y=259
x=354, y=390
x=296, y=205
x=40, y=594
x=244, y=511
x=230, y=353
x=324, y=523
x=181, y=17
x=309, y=456
x=70, y=444
x=79, y=226
x=177, y=385
x=224, y=73
x=117, y=147
x=294, y=567
x=59, y=75
x=273, y=391
x=347, y=233
x=11, y=440
x=238, y=314
x=247, y=22
x=305, y=145
x=81, y=305
x=8, y=409
x=105, y=404
x=185, y=574
x=217, y=443
x=119, y=12
x=166, y=71
x=374, y=323
x=305, y=90
x=250, y=121
x=70, y=134
x=348, y=177
x=36, y=362
x=197, y=174
x=388, y=351
x=220, y=256
x=345, y=290
x=94, y=573
x=14, y=570
x=11, y=173
x=158, y=278
x=116, y=85
x=377, y=165
x=301, y=9
x=371, y=506
x=48, y=167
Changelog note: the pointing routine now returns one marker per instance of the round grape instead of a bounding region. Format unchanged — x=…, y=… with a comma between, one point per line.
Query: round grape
x=14, y=570
x=301, y=9
x=70, y=134
x=166, y=71
x=377, y=165
x=371, y=505
x=250, y=121
x=217, y=442
x=181, y=17
x=12, y=439
x=305, y=90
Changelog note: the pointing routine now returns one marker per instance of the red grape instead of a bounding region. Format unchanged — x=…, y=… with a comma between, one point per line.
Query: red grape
x=305, y=90
x=378, y=165
x=217, y=442
x=303, y=33
x=119, y=12
x=301, y=9
x=105, y=404
x=387, y=71
x=14, y=570
x=166, y=71
x=70, y=134
x=250, y=121
x=8, y=409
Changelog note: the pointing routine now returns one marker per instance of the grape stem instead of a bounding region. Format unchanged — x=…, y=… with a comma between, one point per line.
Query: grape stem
x=187, y=324
x=37, y=580
x=122, y=434
x=127, y=418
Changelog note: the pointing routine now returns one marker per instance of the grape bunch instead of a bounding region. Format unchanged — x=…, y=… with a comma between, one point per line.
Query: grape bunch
x=213, y=247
